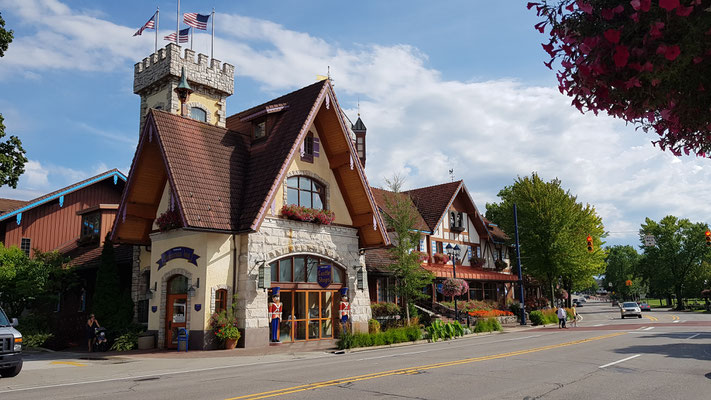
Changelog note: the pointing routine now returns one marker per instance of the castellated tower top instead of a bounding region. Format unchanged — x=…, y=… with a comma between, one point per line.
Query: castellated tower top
x=156, y=77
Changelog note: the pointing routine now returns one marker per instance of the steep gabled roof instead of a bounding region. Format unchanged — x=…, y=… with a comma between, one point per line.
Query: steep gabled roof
x=381, y=199
x=224, y=181
x=434, y=201
x=495, y=232
x=10, y=204
x=113, y=173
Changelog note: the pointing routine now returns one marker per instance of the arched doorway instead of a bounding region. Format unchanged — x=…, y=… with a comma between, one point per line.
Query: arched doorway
x=176, y=308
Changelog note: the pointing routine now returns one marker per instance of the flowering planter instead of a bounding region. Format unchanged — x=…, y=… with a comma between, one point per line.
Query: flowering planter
x=230, y=344
x=305, y=214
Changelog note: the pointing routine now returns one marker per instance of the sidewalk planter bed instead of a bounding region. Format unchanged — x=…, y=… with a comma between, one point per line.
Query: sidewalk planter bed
x=487, y=325
x=391, y=336
x=544, y=317
x=439, y=330
x=146, y=341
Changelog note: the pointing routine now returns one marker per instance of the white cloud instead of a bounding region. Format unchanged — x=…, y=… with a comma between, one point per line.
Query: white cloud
x=419, y=122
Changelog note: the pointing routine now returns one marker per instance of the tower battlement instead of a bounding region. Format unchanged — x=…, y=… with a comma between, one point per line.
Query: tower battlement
x=168, y=62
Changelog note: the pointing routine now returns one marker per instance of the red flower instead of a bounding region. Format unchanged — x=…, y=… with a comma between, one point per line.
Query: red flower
x=621, y=56
x=634, y=3
x=669, y=5
x=684, y=11
x=697, y=60
x=585, y=7
x=656, y=30
x=612, y=35
x=672, y=52
x=607, y=14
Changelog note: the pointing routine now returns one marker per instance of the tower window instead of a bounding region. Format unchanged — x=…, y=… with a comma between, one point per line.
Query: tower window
x=198, y=114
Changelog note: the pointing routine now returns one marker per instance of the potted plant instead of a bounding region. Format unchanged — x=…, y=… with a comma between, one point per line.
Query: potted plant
x=477, y=261
x=500, y=264
x=169, y=220
x=224, y=326
x=440, y=258
x=454, y=287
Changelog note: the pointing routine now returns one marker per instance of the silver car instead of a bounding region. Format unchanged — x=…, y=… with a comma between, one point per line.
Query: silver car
x=630, y=308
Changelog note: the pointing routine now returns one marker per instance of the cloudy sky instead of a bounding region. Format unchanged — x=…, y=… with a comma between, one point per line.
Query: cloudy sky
x=442, y=85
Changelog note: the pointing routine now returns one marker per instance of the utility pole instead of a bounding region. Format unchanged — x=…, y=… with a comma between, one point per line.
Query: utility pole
x=520, y=275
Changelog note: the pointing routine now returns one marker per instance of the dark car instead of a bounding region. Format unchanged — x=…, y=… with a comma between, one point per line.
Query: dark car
x=645, y=307
x=577, y=303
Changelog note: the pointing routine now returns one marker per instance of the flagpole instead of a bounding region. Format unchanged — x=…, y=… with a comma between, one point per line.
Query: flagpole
x=177, y=25
x=191, y=38
x=157, y=19
x=212, y=41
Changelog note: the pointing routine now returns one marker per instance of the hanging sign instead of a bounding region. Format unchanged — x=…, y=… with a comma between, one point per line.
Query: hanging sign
x=178, y=252
x=325, y=275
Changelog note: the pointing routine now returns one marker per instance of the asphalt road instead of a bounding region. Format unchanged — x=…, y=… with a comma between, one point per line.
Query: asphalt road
x=665, y=355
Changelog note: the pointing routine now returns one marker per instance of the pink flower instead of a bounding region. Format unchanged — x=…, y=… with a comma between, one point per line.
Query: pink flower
x=697, y=60
x=570, y=7
x=669, y=5
x=586, y=7
x=621, y=56
x=684, y=11
x=634, y=3
x=612, y=35
x=656, y=30
x=633, y=82
x=619, y=9
x=672, y=52
x=635, y=17
x=607, y=14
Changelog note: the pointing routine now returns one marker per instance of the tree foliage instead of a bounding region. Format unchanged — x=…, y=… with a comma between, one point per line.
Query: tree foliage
x=12, y=154
x=401, y=217
x=111, y=304
x=622, y=264
x=643, y=61
x=678, y=259
x=553, y=228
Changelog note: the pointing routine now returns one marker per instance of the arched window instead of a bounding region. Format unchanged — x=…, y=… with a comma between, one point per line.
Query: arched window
x=220, y=300
x=178, y=284
x=305, y=192
x=199, y=114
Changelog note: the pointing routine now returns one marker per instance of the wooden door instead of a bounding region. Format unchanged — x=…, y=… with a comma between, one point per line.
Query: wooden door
x=175, y=318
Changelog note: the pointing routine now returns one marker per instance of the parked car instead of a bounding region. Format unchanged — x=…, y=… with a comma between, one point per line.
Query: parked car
x=582, y=300
x=577, y=303
x=10, y=347
x=645, y=307
x=630, y=308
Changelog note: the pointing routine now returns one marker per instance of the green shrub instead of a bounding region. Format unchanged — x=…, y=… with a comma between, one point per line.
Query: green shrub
x=487, y=325
x=35, y=339
x=127, y=341
x=439, y=330
x=391, y=336
x=384, y=309
x=536, y=317
x=373, y=326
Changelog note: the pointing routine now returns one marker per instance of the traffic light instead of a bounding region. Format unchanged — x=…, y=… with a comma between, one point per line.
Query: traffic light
x=590, y=244
x=708, y=238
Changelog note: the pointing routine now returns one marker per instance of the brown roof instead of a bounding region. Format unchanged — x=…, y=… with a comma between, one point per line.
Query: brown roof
x=467, y=272
x=495, y=232
x=378, y=260
x=10, y=204
x=381, y=199
x=89, y=256
x=433, y=201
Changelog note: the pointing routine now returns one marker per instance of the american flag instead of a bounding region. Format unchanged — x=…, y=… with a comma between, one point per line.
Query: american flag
x=151, y=24
x=197, y=21
x=184, y=33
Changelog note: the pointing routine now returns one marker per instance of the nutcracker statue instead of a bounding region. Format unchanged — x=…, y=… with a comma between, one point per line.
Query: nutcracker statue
x=345, y=309
x=274, y=314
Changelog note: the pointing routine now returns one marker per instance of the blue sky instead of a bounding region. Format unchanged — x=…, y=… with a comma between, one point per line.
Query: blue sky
x=456, y=84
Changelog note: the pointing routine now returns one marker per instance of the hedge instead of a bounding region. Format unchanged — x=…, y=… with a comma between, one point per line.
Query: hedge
x=394, y=335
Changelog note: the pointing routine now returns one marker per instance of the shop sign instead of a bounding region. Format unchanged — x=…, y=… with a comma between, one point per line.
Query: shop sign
x=325, y=275
x=178, y=252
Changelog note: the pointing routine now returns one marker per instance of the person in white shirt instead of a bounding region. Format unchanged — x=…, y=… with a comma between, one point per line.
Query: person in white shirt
x=562, y=316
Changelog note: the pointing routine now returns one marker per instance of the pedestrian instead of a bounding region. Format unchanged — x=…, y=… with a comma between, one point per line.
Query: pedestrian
x=575, y=316
x=91, y=325
x=562, y=315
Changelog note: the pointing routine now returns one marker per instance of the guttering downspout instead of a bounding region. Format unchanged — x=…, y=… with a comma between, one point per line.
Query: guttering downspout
x=234, y=267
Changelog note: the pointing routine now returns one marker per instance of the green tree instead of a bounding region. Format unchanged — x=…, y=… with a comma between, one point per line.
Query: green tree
x=112, y=304
x=622, y=264
x=553, y=228
x=679, y=251
x=12, y=154
x=23, y=281
x=401, y=217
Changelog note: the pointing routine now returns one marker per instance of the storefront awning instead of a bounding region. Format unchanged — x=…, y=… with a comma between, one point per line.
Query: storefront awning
x=466, y=272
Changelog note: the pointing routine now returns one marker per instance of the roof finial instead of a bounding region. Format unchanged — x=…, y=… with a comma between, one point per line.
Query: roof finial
x=451, y=174
x=358, y=106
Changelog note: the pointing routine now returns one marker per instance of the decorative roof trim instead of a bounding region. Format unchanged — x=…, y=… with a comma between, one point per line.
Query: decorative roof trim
x=116, y=174
x=268, y=109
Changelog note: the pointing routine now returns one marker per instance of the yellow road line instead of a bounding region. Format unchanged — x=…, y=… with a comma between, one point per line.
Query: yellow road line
x=651, y=318
x=675, y=317
x=414, y=370
x=72, y=363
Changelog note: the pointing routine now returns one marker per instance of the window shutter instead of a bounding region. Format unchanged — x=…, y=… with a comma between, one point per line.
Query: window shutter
x=316, y=146
x=469, y=252
x=434, y=247
x=422, y=245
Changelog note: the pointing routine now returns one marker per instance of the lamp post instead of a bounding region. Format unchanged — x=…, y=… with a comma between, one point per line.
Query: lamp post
x=453, y=252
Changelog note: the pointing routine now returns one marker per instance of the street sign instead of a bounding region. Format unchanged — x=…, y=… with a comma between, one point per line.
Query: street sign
x=650, y=241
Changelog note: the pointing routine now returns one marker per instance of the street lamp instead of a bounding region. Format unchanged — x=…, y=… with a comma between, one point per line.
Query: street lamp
x=453, y=253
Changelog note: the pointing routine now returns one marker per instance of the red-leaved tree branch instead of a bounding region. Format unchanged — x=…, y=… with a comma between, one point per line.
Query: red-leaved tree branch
x=644, y=61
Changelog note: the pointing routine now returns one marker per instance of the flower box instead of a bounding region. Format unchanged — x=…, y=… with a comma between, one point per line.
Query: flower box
x=170, y=219
x=440, y=258
x=306, y=214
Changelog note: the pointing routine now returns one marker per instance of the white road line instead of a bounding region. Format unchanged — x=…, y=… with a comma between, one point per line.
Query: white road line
x=649, y=328
x=640, y=328
x=393, y=355
x=599, y=325
x=675, y=321
x=693, y=336
x=619, y=361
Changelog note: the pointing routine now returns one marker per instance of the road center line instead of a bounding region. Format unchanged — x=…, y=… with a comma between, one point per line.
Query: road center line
x=619, y=361
x=693, y=336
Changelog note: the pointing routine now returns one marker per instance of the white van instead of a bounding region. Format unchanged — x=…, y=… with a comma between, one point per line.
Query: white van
x=10, y=347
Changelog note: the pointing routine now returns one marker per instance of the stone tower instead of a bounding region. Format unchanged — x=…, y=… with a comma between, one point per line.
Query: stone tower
x=156, y=77
x=359, y=129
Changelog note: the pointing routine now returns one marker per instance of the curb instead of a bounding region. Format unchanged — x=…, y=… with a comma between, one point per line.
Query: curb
x=421, y=341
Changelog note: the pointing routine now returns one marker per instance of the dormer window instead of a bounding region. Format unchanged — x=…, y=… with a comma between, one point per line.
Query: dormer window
x=90, y=227
x=260, y=129
x=310, y=148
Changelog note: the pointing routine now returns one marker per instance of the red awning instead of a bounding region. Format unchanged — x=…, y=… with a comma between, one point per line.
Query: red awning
x=466, y=272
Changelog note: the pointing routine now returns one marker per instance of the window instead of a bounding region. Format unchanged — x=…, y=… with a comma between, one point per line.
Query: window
x=220, y=300
x=82, y=300
x=440, y=247
x=360, y=146
x=198, y=114
x=25, y=246
x=456, y=221
x=385, y=290
x=302, y=269
x=308, y=154
x=260, y=129
x=305, y=192
x=90, y=227
x=142, y=312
